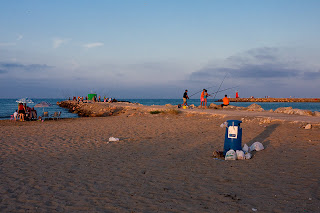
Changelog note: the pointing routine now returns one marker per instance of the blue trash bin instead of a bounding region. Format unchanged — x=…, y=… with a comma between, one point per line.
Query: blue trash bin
x=233, y=136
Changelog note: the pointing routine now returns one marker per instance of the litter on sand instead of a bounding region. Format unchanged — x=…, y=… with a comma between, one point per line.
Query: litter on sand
x=245, y=148
x=240, y=155
x=243, y=154
x=224, y=124
x=231, y=155
x=113, y=139
x=256, y=146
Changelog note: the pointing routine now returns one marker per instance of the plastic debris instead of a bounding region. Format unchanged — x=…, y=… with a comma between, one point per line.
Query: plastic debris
x=256, y=146
x=240, y=155
x=245, y=148
x=113, y=139
x=247, y=155
x=231, y=155
x=224, y=124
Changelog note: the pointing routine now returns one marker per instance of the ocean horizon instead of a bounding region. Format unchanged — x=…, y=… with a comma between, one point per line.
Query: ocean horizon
x=8, y=106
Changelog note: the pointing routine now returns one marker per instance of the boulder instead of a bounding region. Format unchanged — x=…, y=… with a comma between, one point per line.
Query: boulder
x=229, y=107
x=290, y=111
x=282, y=109
x=316, y=113
x=255, y=107
x=299, y=112
x=308, y=126
x=214, y=106
x=240, y=108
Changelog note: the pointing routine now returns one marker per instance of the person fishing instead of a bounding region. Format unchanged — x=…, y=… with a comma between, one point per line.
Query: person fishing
x=185, y=97
x=225, y=101
x=205, y=98
x=202, y=98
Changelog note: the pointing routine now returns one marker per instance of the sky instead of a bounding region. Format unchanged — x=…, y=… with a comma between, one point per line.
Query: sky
x=158, y=48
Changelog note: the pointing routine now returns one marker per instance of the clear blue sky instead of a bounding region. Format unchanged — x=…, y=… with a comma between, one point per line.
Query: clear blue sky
x=159, y=48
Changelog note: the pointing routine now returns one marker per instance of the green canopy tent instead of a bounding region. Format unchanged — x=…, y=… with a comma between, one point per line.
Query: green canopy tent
x=91, y=96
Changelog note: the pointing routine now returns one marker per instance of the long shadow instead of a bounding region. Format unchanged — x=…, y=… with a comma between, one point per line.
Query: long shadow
x=264, y=135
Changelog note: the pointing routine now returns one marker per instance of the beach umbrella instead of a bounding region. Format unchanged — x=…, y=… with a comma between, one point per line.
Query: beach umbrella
x=43, y=104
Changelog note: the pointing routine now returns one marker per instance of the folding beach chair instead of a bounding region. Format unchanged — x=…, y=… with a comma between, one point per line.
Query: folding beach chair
x=56, y=115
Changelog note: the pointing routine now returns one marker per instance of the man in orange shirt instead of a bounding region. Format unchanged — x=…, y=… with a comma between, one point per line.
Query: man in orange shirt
x=225, y=101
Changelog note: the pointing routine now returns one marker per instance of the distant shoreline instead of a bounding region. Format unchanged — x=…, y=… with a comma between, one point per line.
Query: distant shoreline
x=273, y=100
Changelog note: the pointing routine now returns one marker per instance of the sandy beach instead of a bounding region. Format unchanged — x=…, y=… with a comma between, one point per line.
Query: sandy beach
x=162, y=163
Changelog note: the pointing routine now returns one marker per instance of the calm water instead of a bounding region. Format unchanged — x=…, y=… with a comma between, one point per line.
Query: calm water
x=8, y=106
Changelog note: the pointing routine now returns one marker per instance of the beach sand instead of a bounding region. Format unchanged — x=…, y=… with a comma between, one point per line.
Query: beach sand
x=162, y=163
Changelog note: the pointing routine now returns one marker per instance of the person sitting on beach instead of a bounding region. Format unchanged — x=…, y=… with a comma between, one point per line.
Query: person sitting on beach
x=33, y=114
x=202, y=98
x=185, y=97
x=21, y=111
x=28, y=113
x=225, y=101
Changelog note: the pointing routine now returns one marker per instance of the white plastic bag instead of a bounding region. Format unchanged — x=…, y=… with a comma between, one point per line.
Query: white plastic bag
x=224, y=124
x=256, y=146
x=113, y=139
x=245, y=148
x=247, y=155
x=231, y=155
x=240, y=155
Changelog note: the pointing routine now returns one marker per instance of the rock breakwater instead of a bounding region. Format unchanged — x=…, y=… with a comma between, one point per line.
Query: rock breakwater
x=94, y=109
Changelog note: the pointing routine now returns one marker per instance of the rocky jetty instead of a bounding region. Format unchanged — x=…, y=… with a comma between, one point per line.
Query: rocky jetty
x=94, y=109
x=102, y=109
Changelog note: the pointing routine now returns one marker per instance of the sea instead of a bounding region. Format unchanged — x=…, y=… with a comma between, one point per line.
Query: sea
x=8, y=106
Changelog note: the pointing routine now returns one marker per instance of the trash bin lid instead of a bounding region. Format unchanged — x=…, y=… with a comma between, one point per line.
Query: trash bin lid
x=234, y=122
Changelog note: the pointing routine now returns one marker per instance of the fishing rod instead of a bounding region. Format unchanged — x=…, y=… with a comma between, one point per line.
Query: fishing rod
x=200, y=91
x=223, y=90
x=220, y=85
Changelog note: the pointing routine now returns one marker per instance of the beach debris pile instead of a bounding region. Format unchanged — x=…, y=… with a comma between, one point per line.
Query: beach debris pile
x=243, y=154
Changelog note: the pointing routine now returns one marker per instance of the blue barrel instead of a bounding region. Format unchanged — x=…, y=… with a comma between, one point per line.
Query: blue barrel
x=233, y=136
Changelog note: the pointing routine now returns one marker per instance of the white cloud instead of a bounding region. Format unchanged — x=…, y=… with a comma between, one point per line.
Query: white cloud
x=57, y=42
x=19, y=37
x=91, y=45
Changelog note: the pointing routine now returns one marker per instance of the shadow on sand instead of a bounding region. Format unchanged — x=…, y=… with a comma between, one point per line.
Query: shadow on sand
x=264, y=135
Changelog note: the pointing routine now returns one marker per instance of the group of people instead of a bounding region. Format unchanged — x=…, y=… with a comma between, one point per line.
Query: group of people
x=94, y=99
x=203, y=99
x=25, y=113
